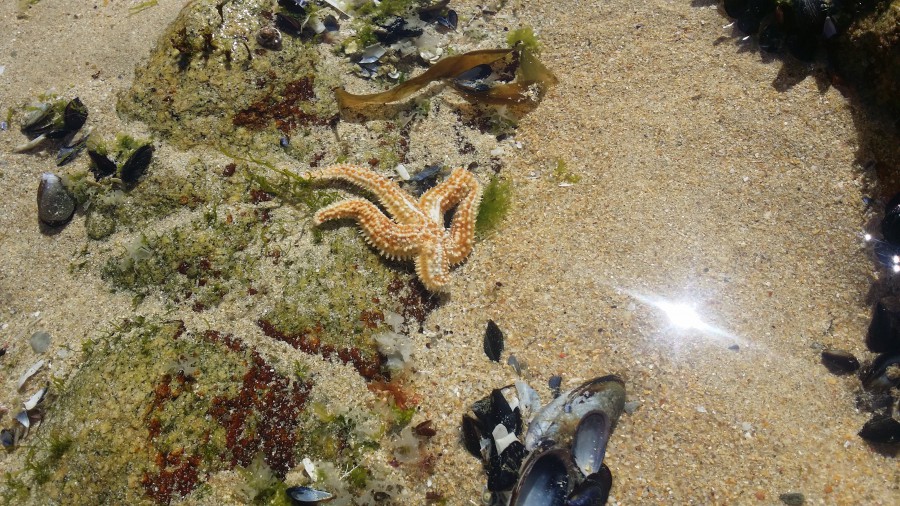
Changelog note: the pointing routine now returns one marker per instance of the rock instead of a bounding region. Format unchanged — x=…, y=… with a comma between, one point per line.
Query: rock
x=55, y=204
x=40, y=341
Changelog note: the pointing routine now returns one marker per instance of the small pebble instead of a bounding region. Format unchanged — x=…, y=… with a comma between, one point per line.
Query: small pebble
x=792, y=498
x=554, y=383
x=734, y=347
x=632, y=406
x=40, y=341
x=701, y=409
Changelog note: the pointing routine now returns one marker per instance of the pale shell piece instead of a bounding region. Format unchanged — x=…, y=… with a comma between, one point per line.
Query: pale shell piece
x=35, y=399
x=29, y=373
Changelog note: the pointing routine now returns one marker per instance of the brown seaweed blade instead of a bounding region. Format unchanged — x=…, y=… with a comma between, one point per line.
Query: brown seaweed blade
x=447, y=68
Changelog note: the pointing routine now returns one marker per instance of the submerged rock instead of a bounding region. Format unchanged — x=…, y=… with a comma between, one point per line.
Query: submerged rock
x=55, y=204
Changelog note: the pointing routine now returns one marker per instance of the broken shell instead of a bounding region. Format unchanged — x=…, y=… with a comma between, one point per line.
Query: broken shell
x=6, y=438
x=23, y=419
x=35, y=399
x=306, y=495
x=589, y=442
x=372, y=53
x=74, y=116
x=29, y=373
x=55, y=204
x=101, y=165
x=493, y=341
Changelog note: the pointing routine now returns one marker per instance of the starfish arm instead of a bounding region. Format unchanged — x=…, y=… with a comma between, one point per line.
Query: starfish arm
x=441, y=198
x=432, y=267
x=389, y=238
x=398, y=203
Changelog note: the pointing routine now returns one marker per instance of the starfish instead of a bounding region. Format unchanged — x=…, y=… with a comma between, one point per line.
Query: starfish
x=417, y=229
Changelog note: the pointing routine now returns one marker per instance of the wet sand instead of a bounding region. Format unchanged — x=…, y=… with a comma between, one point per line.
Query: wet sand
x=700, y=183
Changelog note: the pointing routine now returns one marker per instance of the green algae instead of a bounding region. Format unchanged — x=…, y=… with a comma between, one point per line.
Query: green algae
x=495, y=204
x=199, y=263
x=525, y=36
x=208, y=82
x=94, y=446
x=562, y=173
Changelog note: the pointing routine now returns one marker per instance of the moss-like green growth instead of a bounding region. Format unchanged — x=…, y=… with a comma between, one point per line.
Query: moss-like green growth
x=562, y=174
x=146, y=4
x=494, y=206
x=526, y=37
x=207, y=82
x=200, y=263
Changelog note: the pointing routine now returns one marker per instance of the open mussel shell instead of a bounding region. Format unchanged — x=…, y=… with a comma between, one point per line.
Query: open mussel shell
x=503, y=468
x=75, y=115
x=136, y=164
x=546, y=479
x=308, y=496
x=557, y=419
x=101, y=165
x=589, y=442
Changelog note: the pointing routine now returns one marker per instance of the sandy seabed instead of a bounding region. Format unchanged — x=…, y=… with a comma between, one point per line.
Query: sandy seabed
x=709, y=175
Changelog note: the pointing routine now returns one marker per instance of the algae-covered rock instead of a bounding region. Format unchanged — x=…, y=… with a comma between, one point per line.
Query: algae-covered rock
x=868, y=54
x=153, y=411
x=209, y=81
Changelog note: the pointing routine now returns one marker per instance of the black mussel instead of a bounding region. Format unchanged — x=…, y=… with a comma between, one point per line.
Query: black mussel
x=589, y=442
x=55, y=204
x=802, y=46
x=75, y=115
x=503, y=466
x=6, y=438
x=310, y=496
x=101, y=166
x=593, y=491
x=545, y=480
x=269, y=37
x=503, y=414
x=68, y=153
x=493, y=341
x=38, y=120
x=750, y=20
x=136, y=164
x=449, y=21
x=890, y=224
x=288, y=24
x=882, y=374
x=735, y=8
x=294, y=6
x=331, y=23
x=881, y=428
x=884, y=330
x=806, y=16
x=840, y=361
x=771, y=38
x=558, y=418
x=472, y=436
x=396, y=30
x=474, y=79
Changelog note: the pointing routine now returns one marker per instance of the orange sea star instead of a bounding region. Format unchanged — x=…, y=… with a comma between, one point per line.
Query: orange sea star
x=417, y=229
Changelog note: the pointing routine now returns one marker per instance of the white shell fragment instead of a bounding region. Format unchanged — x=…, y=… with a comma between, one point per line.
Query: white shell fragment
x=35, y=399
x=402, y=172
x=22, y=418
x=29, y=373
x=310, y=468
x=502, y=437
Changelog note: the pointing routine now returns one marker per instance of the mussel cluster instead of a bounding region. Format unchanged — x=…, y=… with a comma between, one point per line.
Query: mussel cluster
x=797, y=25
x=880, y=378
x=558, y=459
